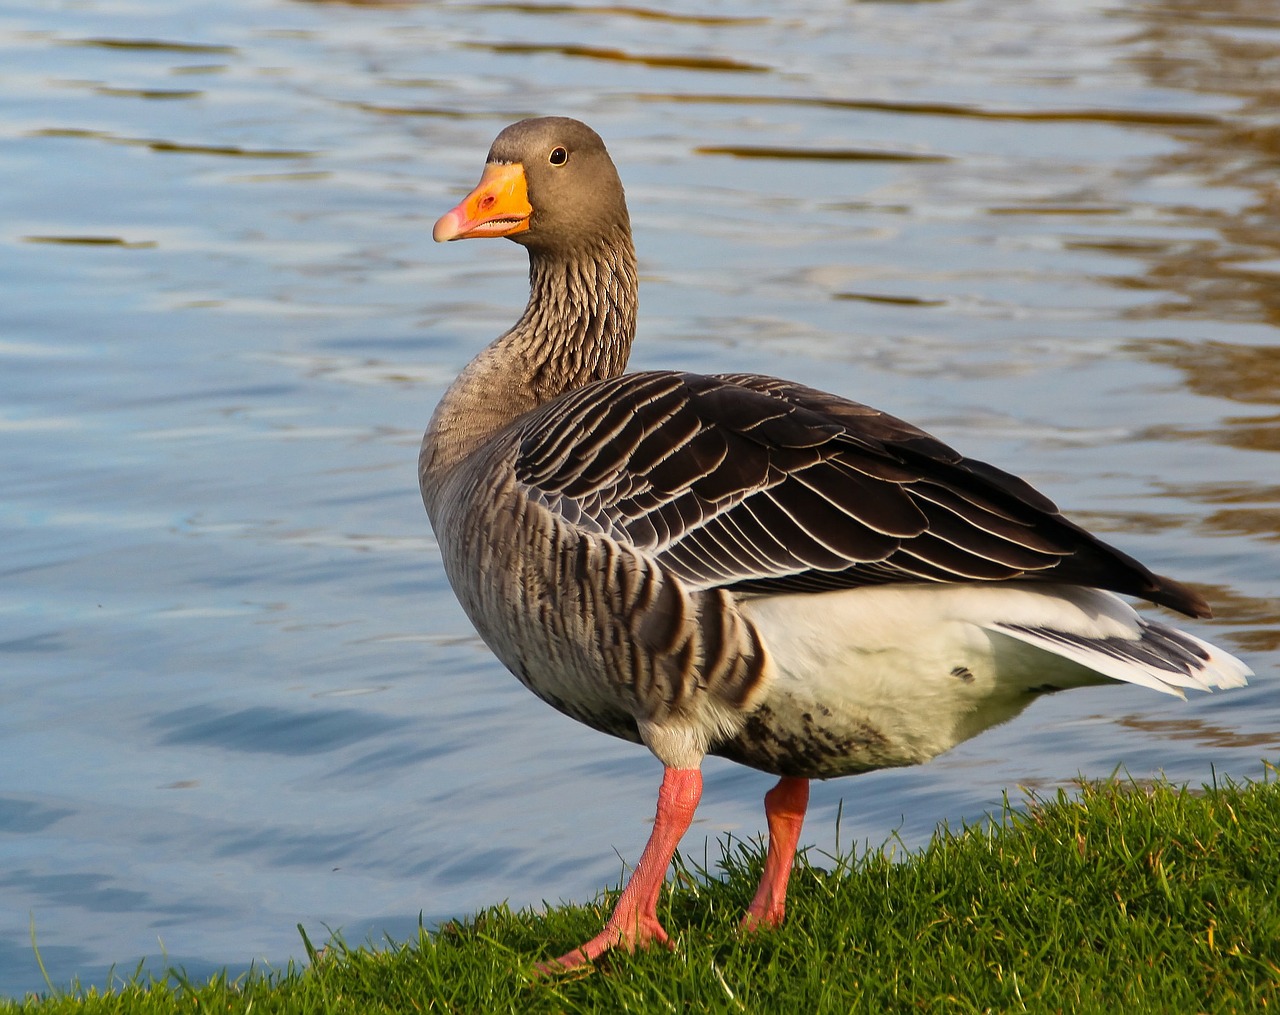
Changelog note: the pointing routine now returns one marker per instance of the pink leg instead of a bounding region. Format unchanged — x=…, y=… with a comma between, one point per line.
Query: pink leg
x=784, y=807
x=635, y=918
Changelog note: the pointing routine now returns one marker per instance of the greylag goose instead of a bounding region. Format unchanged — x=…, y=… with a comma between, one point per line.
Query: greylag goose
x=739, y=565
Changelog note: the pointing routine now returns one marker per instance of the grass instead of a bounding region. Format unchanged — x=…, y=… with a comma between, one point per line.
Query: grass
x=1119, y=897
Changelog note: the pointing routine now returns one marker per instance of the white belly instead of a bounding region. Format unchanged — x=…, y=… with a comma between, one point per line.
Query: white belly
x=885, y=676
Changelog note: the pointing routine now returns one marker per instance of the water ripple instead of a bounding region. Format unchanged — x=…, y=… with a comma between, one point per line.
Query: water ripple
x=671, y=61
x=816, y=154
x=179, y=147
x=1134, y=117
x=271, y=730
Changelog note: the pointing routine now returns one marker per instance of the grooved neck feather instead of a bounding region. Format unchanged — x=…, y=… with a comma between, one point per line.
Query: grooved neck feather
x=577, y=328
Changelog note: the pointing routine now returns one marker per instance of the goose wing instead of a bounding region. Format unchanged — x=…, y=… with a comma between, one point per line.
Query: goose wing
x=757, y=484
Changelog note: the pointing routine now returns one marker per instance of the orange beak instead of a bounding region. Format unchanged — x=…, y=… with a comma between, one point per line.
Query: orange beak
x=499, y=206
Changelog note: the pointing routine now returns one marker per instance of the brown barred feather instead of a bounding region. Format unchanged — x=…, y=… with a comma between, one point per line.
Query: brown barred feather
x=749, y=482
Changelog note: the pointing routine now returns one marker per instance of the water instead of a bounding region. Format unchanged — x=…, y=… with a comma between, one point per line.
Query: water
x=235, y=691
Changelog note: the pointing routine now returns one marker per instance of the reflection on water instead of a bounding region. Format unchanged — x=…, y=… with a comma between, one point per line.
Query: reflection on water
x=1242, y=373
x=237, y=693
x=621, y=13
x=1137, y=117
x=1230, y=272
x=150, y=44
x=667, y=60
x=1201, y=733
x=92, y=241
x=179, y=147
x=820, y=154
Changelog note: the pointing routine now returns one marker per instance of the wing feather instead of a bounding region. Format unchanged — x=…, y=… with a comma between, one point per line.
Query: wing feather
x=762, y=485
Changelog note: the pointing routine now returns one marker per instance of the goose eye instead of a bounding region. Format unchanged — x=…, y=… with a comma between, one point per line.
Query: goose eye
x=559, y=156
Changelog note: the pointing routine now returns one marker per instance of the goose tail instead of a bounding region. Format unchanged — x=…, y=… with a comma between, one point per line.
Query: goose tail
x=1150, y=654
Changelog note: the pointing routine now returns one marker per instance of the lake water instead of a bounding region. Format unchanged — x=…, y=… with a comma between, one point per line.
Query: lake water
x=236, y=693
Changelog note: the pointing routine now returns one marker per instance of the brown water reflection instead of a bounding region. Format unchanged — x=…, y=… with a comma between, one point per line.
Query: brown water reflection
x=623, y=11
x=675, y=61
x=93, y=241
x=1136, y=117
x=1242, y=373
x=1248, y=509
x=1255, y=620
x=178, y=147
x=1198, y=731
x=1235, y=276
x=1224, y=268
x=816, y=154
x=160, y=45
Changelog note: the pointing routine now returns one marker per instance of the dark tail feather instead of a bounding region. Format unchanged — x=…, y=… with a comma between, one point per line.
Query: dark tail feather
x=1176, y=596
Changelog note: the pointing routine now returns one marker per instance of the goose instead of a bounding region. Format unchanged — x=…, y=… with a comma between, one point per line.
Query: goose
x=740, y=565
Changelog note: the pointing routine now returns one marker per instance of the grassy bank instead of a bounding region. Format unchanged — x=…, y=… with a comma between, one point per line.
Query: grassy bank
x=1115, y=898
